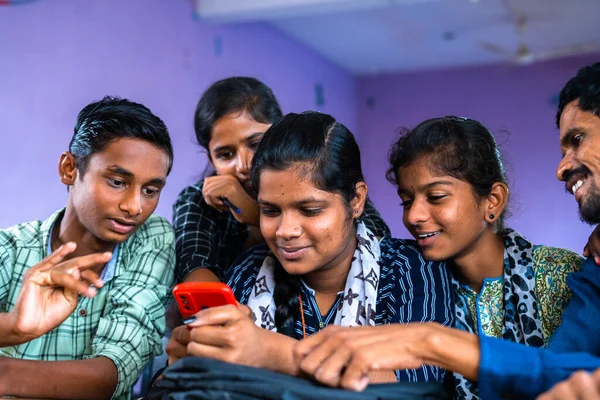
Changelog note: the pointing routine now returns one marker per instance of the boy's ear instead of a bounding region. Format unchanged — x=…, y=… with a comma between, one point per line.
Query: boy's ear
x=358, y=202
x=67, y=169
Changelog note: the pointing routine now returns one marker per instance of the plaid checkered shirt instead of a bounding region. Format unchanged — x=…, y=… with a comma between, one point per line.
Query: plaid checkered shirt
x=123, y=322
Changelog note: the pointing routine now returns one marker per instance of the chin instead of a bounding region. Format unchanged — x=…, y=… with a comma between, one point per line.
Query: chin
x=589, y=208
x=433, y=255
x=113, y=238
x=298, y=268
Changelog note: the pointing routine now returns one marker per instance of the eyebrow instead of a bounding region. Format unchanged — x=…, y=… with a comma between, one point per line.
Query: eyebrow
x=296, y=203
x=128, y=174
x=428, y=186
x=248, y=139
x=121, y=171
x=253, y=136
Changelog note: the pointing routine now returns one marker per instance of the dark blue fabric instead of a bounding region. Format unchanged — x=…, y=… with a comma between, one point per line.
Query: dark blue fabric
x=410, y=290
x=199, y=378
x=512, y=370
x=524, y=372
x=580, y=328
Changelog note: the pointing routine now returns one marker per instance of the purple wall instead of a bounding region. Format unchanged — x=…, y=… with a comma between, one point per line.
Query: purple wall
x=57, y=56
x=515, y=103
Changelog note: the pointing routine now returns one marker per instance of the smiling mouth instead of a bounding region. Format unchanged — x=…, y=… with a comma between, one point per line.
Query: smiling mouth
x=428, y=235
x=292, y=253
x=577, y=185
x=427, y=239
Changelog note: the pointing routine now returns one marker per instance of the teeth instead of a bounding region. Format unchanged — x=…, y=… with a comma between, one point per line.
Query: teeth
x=577, y=185
x=426, y=235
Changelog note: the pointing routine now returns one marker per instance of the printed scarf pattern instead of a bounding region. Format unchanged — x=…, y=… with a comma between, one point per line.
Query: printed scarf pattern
x=360, y=294
x=522, y=323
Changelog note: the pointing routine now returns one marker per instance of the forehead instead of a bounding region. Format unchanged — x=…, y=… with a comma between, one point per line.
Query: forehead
x=419, y=175
x=418, y=170
x=138, y=156
x=235, y=127
x=290, y=185
x=574, y=119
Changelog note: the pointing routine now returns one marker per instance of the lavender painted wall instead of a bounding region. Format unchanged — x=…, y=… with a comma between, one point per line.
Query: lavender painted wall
x=513, y=99
x=58, y=55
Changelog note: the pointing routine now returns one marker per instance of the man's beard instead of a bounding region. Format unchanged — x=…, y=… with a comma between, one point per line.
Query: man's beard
x=589, y=207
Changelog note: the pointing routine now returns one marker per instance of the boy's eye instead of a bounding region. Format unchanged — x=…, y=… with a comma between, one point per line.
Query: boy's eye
x=150, y=192
x=116, y=183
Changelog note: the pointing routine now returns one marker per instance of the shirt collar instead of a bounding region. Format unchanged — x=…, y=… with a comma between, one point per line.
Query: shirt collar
x=107, y=273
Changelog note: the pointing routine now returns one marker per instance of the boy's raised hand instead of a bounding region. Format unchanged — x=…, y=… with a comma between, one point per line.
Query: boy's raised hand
x=49, y=293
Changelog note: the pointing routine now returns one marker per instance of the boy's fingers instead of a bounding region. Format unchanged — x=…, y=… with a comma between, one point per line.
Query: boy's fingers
x=92, y=278
x=87, y=262
x=68, y=281
x=59, y=254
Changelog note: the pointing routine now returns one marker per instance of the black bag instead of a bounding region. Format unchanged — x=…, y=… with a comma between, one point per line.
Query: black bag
x=201, y=378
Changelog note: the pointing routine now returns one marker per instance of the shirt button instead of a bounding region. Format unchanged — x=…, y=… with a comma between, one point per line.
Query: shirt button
x=82, y=312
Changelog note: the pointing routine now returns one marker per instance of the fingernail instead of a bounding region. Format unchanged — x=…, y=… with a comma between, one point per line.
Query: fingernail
x=189, y=320
x=361, y=384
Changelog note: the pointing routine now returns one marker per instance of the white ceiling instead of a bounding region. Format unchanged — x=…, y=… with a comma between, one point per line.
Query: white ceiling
x=375, y=36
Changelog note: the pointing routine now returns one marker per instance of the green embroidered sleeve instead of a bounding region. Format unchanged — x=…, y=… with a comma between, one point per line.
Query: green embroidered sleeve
x=552, y=266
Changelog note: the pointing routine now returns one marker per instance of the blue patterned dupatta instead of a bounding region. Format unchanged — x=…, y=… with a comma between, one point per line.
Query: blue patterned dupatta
x=522, y=322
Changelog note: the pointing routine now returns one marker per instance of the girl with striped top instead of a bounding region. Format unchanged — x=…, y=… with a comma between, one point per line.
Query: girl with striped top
x=320, y=265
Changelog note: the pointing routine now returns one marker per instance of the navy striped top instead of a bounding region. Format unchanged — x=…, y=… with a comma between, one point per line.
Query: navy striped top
x=411, y=289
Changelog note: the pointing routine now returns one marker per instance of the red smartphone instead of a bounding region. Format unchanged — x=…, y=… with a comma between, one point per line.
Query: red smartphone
x=192, y=297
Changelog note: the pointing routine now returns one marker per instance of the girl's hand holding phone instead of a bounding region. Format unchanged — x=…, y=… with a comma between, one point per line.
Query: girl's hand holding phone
x=228, y=333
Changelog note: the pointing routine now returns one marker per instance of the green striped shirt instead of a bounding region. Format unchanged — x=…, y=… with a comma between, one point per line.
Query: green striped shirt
x=124, y=321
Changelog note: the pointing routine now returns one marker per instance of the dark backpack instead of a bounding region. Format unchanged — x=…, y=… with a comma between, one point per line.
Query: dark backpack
x=201, y=378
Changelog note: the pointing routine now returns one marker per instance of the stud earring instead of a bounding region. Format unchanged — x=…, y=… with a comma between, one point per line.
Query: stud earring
x=492, y=216
x=356, y=211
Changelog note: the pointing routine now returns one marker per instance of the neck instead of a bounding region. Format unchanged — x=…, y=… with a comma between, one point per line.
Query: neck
x=68, y=228
x=483, y=259
x=331, y=279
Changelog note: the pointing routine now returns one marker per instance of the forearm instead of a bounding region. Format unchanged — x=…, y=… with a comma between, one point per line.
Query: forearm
x=451, y=349
x=201, y=275
x=525, y=371
x=80, y=379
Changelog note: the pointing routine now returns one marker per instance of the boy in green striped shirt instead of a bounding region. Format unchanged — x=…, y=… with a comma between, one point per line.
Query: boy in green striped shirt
x=83, y=293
